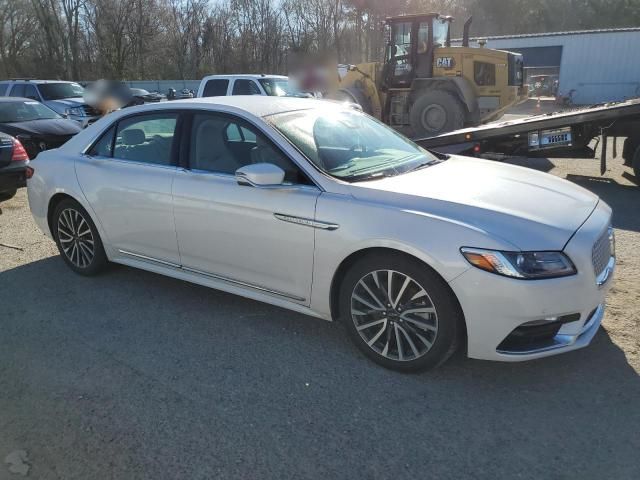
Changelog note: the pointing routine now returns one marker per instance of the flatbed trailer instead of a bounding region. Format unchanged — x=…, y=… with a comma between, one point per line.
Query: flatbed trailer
x=565, y=134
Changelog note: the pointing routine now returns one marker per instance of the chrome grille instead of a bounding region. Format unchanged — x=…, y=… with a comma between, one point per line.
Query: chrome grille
x=601, y=252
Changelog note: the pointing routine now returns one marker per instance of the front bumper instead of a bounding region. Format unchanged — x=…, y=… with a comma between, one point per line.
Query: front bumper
x=497, y=308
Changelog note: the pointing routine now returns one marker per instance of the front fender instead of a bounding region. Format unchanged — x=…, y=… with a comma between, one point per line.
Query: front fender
x=363, y=225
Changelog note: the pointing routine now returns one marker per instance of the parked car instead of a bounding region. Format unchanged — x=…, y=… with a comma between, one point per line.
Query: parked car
x=13, y=166
x=36, y=126
x=64, y=98
x=417, y=253
x=183, y=94
x=141, y=96
x=270, y=85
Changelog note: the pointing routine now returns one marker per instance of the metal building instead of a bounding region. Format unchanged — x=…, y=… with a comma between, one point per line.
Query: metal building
x=598, y=65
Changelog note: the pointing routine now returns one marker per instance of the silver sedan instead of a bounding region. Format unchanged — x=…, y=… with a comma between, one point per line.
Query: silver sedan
x=318, y=208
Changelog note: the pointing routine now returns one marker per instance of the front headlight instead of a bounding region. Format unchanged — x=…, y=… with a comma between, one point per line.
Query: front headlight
x=522, y=265
x=77, y=111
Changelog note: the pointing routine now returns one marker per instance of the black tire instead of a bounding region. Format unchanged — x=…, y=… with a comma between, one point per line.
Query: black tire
x=636, y=165
x=401, y=353
x=73, y=230
x=435, y=112
x=7, y=195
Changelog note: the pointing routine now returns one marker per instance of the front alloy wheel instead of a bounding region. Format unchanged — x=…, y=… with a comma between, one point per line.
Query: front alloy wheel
x=399, y=312
x=394, y=315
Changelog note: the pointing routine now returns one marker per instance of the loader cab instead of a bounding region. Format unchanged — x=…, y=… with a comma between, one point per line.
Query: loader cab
x=411, y=42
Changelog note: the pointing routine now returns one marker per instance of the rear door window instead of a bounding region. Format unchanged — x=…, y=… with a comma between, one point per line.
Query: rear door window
x=104, y=146
x=245, y=87
x=31, y=92
x=216, y=88
x=3, y=88
x=17, y=90
x=146, y=138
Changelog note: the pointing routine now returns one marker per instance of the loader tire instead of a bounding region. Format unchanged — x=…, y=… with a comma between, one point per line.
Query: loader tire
x=435, y=112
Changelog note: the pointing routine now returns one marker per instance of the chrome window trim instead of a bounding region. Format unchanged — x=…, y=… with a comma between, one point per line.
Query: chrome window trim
x=130, y=162
x=229, y=176
x=307, y=167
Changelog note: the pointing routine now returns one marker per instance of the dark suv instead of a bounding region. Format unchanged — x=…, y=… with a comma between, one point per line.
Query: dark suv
x=64, y=98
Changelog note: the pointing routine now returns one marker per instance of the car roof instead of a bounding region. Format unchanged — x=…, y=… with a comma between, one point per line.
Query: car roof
x=16, y=100
x=245, y=75
x=37, y=82
x=259, y=105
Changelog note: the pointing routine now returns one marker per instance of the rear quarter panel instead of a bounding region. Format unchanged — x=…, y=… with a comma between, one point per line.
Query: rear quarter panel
x=54, y=172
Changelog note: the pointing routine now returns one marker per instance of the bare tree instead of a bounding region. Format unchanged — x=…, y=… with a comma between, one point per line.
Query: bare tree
x=16, y=27
x=87, y=39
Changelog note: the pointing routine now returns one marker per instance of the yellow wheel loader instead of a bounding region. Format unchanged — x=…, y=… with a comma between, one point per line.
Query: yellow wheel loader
x=425, y=86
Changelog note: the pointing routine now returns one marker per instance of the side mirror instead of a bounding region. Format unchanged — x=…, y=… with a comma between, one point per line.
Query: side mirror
x=64, y=115
x=261, y=175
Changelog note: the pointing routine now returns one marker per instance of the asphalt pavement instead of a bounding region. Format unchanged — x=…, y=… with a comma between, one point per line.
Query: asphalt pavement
x=131, y=375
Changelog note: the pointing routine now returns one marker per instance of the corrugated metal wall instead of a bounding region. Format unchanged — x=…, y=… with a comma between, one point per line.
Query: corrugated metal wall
x=601, y=67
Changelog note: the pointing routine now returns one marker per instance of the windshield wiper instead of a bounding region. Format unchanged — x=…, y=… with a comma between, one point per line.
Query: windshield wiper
x=367, y=177
x=422, y=165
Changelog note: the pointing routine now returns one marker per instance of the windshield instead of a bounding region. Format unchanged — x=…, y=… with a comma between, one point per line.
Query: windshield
x=11, y=112
x=57, y=91
x=350, y=145
x=277, y=87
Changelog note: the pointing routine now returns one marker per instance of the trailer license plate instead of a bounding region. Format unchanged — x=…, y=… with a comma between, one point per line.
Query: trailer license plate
x=550, y=138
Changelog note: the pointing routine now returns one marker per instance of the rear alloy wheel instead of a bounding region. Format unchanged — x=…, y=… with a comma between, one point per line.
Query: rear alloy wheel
x=78, y=239
x=399, y=313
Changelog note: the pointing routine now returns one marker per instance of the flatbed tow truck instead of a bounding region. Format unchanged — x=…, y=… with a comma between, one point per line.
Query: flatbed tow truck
x=567, y=134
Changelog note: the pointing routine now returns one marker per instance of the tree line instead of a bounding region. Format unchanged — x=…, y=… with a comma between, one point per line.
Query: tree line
x=186, y=39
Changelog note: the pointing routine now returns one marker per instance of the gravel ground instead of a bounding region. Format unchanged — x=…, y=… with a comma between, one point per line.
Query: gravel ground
x=132, y=375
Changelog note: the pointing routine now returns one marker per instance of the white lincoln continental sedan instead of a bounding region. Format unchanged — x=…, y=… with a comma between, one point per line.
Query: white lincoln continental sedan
x=316, y=207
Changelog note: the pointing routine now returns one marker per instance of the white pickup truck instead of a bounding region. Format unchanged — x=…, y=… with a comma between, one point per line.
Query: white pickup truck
x=247, y=84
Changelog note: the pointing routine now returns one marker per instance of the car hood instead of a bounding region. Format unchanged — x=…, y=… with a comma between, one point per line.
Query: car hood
x=52, y=127
x=67, y=102
x=526, y=208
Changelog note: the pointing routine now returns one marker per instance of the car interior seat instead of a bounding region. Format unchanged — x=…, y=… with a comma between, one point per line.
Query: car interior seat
x=211, y=152
x=263, y=152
